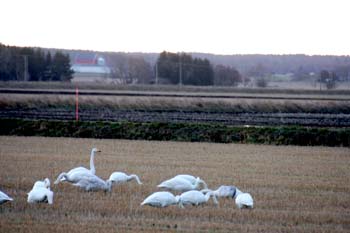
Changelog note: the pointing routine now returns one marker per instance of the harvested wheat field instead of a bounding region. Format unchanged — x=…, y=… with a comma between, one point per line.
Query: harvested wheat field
x=295, y=189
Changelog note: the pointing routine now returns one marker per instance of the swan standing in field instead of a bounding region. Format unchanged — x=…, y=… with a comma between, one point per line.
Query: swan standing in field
x=40, y=194
x=223, y=191
x=244, y=200
x=42, y=183
x=121, y=177
x=195, y=197
x=192, y=179
x=75, y=174
x=4, y=198
x=161, y=199
x=94, y=183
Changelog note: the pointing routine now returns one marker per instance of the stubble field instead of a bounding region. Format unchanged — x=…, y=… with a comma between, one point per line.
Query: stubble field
x=295, y=189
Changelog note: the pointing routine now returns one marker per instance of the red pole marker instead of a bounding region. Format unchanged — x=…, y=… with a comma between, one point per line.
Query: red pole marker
x=76, y=104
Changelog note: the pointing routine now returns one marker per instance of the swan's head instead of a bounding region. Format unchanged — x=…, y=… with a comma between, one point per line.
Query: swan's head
x=94, y=150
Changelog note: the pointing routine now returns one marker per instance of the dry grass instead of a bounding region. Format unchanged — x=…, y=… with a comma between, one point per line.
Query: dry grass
x=178, y=103
x=296, y=189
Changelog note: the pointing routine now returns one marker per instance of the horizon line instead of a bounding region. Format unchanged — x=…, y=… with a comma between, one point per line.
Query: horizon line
x=209, y=53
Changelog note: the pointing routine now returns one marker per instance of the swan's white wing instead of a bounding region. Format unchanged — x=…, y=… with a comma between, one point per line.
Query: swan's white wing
x=118, y=177
x=78, y=175
x=78, y=169
x=244, y=200
x=190, y=178
x=177, y=183
x=42, y=183
x=40, y=195
x=38, y=184
x=160, y=199
x=226, y=191
x=192, y=197
x=91, y=182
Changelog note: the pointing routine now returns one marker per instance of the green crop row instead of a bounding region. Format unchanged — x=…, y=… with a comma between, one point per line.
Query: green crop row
x=192, y=132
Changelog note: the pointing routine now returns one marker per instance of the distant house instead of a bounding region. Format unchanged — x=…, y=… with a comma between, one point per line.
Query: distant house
x=90, y=67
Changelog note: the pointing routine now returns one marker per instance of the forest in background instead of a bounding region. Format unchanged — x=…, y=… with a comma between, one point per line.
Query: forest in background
x=168, y=68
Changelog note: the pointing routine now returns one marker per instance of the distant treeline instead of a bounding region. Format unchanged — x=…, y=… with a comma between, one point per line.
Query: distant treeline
x=196, y=68
x=218, y=133
x=33, y=64
x=299, y=66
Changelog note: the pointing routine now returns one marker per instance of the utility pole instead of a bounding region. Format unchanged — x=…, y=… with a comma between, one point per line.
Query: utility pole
x=156, y=73
x=180, y=71
x=25, y=73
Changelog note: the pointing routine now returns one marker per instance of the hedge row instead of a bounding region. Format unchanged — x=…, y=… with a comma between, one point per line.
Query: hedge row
x=178, y=132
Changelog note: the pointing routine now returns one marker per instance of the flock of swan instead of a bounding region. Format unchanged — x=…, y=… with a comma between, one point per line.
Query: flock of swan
x=188, y=185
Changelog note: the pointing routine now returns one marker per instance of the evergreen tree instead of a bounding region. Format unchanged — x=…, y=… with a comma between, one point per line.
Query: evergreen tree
x=193, y=71
x=61, y=70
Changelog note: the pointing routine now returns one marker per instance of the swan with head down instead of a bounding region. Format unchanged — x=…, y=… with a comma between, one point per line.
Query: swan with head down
x=75, y=174
x=179, y=184
x=121, y=177
x=223, y=191
x=161, y=199
x=244, y=200
x=195, y=197
x=94, y=183
x=192, y=179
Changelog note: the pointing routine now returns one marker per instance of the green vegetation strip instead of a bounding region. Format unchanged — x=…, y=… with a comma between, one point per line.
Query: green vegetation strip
x=178, y=132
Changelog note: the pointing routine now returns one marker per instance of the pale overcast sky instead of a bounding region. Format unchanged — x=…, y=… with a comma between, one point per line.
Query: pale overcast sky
x=209, y=26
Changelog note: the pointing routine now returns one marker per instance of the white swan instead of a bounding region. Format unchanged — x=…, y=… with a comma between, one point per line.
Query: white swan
x=223, y=191
x=94, y=183
x=179, y=184
x=192, y=179
x=244, y=200
x=121, y=177
x=42, y=183
x=40, y=194
x=4, y=198
x=195, y=197
x=74, y=174
x=161, y=199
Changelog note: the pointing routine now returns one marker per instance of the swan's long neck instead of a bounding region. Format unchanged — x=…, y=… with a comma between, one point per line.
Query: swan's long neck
x=213, y=194
x=92, y=166
x=204, y=184
x=178, y=201
x=196, y=184
x=108, y=186
x=62, y=175
x=207, y=196
x=133, y=176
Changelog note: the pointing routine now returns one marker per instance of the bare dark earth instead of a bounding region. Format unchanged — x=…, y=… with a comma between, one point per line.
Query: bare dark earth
x=260, y=119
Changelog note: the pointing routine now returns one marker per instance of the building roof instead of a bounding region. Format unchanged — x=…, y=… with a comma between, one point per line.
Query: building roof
x=85, y=59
